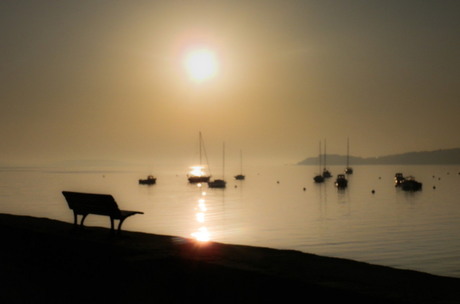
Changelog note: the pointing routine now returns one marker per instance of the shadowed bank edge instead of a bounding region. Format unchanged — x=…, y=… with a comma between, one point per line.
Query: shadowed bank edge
x=48, y=260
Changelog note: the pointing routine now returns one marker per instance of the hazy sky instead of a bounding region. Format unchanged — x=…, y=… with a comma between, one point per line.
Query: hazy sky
x=106, y=79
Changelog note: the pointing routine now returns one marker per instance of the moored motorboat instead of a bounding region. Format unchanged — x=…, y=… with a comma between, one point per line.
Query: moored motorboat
x=341, y=181
x=326, y=173
x=150, y=180
x=318, y=179
x=410, y=184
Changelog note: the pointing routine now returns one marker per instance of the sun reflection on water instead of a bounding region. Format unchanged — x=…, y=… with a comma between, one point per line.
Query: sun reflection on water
x=202, y=234
x=200, y=217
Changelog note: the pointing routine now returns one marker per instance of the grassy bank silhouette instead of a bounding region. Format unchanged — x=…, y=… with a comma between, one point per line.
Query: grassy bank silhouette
x=44, y=260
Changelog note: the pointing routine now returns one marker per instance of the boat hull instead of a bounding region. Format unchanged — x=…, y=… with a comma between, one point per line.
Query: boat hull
x=349, y=170
x=218, y=183
x=198, y=179
x=318, y=179
x=148, y=181
x=341, y=181
x=326, y=174
x=411, y=185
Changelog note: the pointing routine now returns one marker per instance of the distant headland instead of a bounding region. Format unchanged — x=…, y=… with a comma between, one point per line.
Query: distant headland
x=438, y=157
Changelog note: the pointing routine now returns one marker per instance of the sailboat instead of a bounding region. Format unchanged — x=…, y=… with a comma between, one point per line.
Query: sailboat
x=219, y=183
x=197, y=175
x=319, y=178
x=348, y=169
x=326, y=173
x=240, y=176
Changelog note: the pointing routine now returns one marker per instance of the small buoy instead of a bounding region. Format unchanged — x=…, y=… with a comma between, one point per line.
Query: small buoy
x=373, y=191
x=304, y=188
x=434, y=187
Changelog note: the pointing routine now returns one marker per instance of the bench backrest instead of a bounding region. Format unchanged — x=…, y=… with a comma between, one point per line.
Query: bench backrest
x=84, y=203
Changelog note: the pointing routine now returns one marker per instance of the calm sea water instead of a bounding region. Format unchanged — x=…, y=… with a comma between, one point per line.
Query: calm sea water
x=276, y=206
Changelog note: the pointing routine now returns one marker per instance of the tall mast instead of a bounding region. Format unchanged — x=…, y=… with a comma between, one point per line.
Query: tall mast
x=223, y=161
x=325, y=155
x=319, y=157
x=199, y=143
x=241, y=161
x=348, y=151
x=203, y=150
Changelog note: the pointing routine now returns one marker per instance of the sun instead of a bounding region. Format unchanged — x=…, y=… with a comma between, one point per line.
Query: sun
x=201, y=64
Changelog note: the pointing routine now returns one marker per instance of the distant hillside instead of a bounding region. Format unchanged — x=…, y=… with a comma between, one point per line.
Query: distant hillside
x=438, y=157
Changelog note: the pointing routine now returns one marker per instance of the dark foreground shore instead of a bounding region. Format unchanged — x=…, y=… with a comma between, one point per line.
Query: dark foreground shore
x=47, y=261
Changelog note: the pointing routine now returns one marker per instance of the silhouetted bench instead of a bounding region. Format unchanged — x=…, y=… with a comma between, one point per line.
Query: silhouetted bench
x=100, y=204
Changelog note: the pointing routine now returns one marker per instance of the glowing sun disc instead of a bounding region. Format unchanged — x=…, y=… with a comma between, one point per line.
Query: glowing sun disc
x=201, y=64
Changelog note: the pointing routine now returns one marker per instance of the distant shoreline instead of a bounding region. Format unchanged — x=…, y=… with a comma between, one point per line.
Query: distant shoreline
x=438, y=157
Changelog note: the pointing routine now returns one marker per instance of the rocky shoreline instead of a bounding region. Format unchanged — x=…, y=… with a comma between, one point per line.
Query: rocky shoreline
x=44, y=260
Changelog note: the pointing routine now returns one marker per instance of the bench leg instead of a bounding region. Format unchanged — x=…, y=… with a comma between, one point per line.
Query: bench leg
x=119, y=225
x=83, y=219
x=75, y=218
x=112, y=230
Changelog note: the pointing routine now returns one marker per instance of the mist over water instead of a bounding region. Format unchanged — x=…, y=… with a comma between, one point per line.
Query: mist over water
x=276, y=206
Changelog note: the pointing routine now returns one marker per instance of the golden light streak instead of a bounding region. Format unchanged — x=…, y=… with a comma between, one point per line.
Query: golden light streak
x=200, y=217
